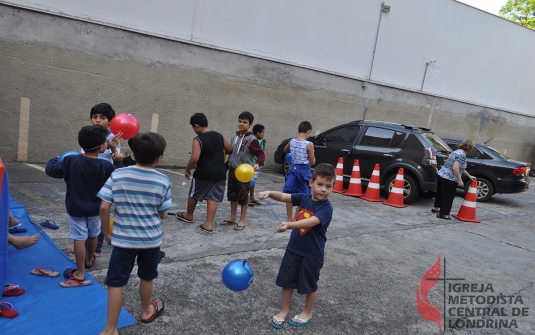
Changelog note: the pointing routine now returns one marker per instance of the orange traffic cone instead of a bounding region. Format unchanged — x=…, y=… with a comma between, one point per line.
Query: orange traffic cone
x=339, y=184
x=396, y=194
x=372, y=192
x=467, y=212
x=355, y=184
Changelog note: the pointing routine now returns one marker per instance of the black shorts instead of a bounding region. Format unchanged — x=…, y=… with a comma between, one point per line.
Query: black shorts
x=299, y=273
x=236, y=190
x=207, y=190
x=122, y=262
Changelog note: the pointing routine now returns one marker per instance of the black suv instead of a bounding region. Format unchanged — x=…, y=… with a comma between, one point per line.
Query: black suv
x=495, y=172
x=417, y=150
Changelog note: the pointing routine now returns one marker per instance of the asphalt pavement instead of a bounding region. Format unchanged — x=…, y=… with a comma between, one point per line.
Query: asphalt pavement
x=376, y=257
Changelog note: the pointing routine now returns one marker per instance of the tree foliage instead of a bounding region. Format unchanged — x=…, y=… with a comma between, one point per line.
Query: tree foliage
x=520, y=11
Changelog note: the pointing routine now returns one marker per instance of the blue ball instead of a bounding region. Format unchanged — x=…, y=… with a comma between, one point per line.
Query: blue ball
x=289, y=158
x=68, y=153
x=237, y=275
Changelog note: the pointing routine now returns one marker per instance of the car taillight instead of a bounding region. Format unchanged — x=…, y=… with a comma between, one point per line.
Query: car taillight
x=519, y=171
x=432, y=157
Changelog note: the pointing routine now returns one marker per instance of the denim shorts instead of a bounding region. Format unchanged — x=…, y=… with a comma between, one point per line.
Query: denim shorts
x=83, y=227
x=299, y=273
x=122, y=262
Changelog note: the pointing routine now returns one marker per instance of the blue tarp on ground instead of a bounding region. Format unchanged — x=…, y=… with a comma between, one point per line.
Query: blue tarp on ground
x=46, y=307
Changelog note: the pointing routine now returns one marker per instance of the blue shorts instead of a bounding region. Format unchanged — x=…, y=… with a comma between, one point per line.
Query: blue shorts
x=298, y=272
x=297, y=179
x=122, y=262
x=83, y=227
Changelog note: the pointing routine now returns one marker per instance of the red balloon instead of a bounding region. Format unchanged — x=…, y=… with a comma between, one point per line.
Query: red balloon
x=127, y=123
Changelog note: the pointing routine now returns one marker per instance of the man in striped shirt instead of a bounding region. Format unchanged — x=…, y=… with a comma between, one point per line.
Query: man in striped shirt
x=142, y=196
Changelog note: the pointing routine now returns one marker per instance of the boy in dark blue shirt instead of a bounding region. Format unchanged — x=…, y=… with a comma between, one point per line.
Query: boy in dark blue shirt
x=84, y=175
x=303, y=259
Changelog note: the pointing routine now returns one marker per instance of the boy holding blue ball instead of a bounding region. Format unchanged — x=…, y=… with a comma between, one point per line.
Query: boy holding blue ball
x=303, y=259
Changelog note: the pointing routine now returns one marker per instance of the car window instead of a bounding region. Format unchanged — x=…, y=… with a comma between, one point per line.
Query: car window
x=499, y=153
x=474, y=153
x=378, y=137
x=453, y=146
x=343, y=135
x=437, y=142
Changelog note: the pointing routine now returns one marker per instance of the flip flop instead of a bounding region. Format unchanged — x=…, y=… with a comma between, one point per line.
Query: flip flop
x=157, y=312
x=434, y=211
x=276, y=323
x=201, y=228
x=12, y=290
x=256, y=202
x=7, y=312
x=42, y=272
x=238, y=227
x=75, y=282
x=301, y=322
x=49, y=224
x=251, y=204
x=228, y=223
x=445, y=217
x=14, y=230
x=180, y=216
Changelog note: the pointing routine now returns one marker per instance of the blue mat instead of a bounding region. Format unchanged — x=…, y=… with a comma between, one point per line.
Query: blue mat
x=46, y=307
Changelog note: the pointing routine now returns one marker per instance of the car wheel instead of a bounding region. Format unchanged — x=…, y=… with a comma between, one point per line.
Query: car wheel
x=485, y=190
x=410, y=188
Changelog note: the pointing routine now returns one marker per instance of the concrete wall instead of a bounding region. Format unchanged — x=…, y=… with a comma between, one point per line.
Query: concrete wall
x=440, y=47
x=53, y=70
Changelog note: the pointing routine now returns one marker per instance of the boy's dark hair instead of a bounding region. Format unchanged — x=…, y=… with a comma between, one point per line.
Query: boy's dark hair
x=104, y=109
x=246, y=116
x=198, y=118
x=257, y=128
x=304, y=127
x=324, y=170
x=90, y=138
x=147, y=147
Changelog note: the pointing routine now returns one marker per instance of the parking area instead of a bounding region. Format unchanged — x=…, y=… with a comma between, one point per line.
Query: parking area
x=376, y=256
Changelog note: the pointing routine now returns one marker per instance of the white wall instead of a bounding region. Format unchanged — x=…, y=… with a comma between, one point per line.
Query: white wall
x=480, y=58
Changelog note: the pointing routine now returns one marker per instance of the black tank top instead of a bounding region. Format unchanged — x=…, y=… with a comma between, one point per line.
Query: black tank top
x=211, y=164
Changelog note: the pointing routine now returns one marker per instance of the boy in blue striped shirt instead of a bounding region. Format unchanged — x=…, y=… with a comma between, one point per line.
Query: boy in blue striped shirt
x=142, y=196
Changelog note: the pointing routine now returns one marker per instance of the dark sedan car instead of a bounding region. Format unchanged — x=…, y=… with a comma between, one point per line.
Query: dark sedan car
x=417, y=150
x=495, y=172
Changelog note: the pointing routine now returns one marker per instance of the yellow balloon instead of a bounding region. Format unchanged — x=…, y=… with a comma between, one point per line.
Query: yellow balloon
x=111, y=223
x=244, y=172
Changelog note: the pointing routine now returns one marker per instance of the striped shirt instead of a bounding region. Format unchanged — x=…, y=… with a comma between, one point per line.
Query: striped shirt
x=139, y=195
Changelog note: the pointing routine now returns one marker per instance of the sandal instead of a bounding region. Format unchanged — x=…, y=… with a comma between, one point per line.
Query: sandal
x=180, y=216
x=201, y=228
x=238, y=227
x=42, y=272
x=157, y=312
x=228, y=223
x=15, y=230
x=49, y=224
x=12, y=290
x=5, y=312
x=276, y=323
x=445, y=217
x=75, y=282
